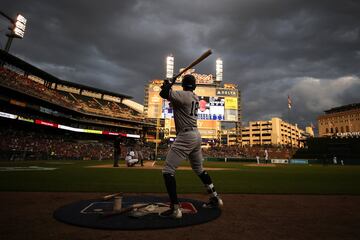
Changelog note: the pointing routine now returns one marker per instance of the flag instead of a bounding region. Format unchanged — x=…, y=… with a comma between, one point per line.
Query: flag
x=289, y=102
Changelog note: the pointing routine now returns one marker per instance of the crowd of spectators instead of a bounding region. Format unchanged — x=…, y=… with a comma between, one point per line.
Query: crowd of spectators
x=278, y=152
x=224, y=151
x=28, y=141
x=73, y=101
x=23, y=144
x=79, y=122
x=24, y=84
x=104, y=107
x=240, y=152
x=16, y=144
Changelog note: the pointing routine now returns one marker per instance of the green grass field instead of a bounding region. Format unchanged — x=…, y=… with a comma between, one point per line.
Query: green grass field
x=73, y=176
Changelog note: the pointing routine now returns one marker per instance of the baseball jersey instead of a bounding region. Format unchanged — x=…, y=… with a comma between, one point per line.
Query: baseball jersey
x=185, y=105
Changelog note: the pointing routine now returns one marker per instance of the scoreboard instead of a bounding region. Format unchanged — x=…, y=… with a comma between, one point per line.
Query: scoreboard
x=216, y=104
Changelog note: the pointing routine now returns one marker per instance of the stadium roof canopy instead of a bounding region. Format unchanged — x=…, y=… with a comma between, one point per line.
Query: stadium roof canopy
x=30, y=69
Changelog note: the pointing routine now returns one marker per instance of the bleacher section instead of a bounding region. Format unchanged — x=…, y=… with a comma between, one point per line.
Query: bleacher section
x=23, y=141
x=18, y=82
x=77, y=102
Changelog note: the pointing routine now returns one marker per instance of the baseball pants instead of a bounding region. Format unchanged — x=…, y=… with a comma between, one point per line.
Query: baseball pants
x=186, y=146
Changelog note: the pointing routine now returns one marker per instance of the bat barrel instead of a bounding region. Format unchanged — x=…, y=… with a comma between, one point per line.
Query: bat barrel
x=197, y=61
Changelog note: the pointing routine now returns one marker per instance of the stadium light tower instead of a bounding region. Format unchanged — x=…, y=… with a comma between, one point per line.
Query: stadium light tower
x=17, y=29
x=169, y=66
x=219, y=70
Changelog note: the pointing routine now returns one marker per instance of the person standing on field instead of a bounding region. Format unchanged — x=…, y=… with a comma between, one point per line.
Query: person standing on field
x=117, y=141
x=139, y=152
x=257, y=158
x=266, y=155
x=187, y=144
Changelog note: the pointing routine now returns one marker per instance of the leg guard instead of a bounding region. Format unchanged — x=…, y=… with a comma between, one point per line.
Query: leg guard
x=206, y=179
x=170, y=184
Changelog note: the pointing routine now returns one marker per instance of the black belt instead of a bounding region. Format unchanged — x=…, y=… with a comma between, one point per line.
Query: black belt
x=188, y=129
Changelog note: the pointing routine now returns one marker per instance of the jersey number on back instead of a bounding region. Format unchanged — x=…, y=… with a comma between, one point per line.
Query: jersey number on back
x=194, y=108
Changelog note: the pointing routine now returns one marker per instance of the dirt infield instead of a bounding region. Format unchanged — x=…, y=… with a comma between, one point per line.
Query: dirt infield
x=260, y=165
x=28, y=215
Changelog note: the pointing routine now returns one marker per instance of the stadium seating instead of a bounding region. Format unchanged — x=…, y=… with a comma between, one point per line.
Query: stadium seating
x=73, y=101
x=45, y=145
x=240, y=152
x=27, y=142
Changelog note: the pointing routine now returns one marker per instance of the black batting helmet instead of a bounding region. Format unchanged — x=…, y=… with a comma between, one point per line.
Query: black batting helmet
x=189, y=82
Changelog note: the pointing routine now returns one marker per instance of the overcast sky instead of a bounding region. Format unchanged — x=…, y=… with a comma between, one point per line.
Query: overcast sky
x=308, y=49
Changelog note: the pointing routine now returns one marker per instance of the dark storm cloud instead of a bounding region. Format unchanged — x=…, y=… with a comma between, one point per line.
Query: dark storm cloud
x=271, y=49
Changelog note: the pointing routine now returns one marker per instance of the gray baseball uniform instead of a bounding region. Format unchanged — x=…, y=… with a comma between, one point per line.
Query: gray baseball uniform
x=188, y=140
x=187, y=144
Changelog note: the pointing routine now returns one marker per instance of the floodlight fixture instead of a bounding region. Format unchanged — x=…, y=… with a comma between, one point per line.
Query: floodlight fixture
x=219, y=70
x=169, y=66
x=19, y=26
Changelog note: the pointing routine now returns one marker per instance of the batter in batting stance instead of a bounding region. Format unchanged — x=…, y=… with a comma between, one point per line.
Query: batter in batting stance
x=187, y=144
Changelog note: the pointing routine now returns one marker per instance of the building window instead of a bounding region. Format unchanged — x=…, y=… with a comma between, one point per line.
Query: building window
x=327, y=130
x=347, y=129
x=336, y=130
x=342, y=129
x=331, y=130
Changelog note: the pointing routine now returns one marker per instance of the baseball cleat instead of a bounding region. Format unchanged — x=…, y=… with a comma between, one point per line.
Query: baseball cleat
x=214, y=202
x=174, y=212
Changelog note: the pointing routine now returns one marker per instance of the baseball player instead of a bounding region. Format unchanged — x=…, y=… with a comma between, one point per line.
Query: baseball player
x=131, y=158
x=139, y=153
x=187, y=144
x=266, y=155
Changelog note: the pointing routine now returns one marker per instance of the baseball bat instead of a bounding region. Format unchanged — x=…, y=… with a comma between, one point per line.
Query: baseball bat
x=110, y=196
x=197, y=61
x=125, y=210
x=136, y=206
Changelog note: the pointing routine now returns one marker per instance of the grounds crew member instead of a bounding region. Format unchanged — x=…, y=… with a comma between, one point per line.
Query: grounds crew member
x=187, y=144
